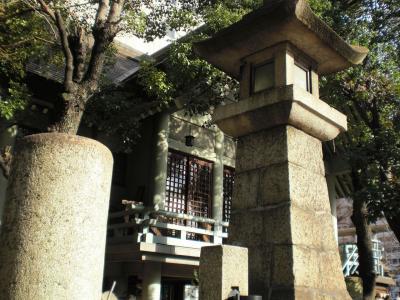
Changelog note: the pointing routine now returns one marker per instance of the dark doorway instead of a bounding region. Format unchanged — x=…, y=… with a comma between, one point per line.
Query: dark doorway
x=173, y=288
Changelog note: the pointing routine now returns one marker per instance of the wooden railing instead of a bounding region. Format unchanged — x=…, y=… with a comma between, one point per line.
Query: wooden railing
x=152, y=225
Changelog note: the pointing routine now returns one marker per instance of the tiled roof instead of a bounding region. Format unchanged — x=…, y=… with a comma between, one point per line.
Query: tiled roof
x=49, y=71
x=126, y=64
x=123, y=68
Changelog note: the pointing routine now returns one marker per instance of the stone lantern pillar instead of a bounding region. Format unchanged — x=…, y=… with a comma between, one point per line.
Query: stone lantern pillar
x=281, y=210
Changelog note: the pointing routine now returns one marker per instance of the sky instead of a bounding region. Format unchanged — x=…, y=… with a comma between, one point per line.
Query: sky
x=148, y=48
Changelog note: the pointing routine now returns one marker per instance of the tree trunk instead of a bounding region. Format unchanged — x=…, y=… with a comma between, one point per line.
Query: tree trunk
x=71, y=113
x=364, y=245
x=394, y=223
x=71, y=120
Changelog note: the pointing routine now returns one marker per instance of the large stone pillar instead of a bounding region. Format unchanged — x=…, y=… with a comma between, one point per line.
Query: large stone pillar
x=280, y=208
x=159, y=167
x=53, y=237
x=151, y=284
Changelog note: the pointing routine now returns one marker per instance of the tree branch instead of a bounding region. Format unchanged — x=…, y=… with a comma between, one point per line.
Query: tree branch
x=44, y=12
x=69, y=59
x=75, y=55
x=102, y=11
x=78, y=44
x=44, y=40
x=394, y=224
x=19, y=43
x=115, y=12
x=104, y=31
x=47, y=9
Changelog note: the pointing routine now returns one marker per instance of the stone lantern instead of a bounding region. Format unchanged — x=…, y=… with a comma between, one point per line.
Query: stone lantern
x=281, y=210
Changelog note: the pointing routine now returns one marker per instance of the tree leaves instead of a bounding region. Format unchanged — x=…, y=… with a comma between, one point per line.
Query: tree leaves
x=370, y=96
x=21, y=38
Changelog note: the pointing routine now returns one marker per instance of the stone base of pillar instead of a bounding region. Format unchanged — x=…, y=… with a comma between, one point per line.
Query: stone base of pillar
x=53, y=237
x=281, y=213
x=221, y=268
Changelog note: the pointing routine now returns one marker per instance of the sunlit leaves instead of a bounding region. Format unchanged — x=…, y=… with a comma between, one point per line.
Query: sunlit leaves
x=136, y=22
x=22, y=37
x=370, y=96
x=321, y=7
x=14, y=100
x=153, y=19
x=155, y=83
x=218, y=16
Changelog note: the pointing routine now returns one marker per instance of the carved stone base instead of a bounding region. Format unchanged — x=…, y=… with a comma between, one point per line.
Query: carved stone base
x=221, y=268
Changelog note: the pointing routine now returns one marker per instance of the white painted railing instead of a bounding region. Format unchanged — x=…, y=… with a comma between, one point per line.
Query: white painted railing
x=350, y=256
x=350, y=263
x=151, y=225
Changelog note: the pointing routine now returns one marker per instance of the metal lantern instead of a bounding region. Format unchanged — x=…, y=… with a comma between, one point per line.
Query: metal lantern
x=189, y=140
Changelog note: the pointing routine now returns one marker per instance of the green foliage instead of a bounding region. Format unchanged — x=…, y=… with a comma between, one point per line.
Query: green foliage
x=224, y=13
x=199, y=85
x=370, y=96
x=116, y=114
x=15, y=101
x=21, y=38
x=155, y=83
x=321, y=7
x=136, y=21
x=153, y=19
x=354, y=287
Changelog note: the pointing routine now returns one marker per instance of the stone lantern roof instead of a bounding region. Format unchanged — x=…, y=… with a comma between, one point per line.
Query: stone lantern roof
x=280, y=21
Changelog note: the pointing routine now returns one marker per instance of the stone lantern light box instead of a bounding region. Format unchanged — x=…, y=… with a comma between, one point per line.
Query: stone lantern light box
x=276, y=66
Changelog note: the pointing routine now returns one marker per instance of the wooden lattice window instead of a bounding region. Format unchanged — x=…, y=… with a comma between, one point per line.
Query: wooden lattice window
x=199, y=188
x=229, y=180
x=188, y=187
x=176, y=188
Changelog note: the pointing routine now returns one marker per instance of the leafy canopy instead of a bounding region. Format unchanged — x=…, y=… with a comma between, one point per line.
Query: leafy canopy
x=370, y=96
x=32, y=31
